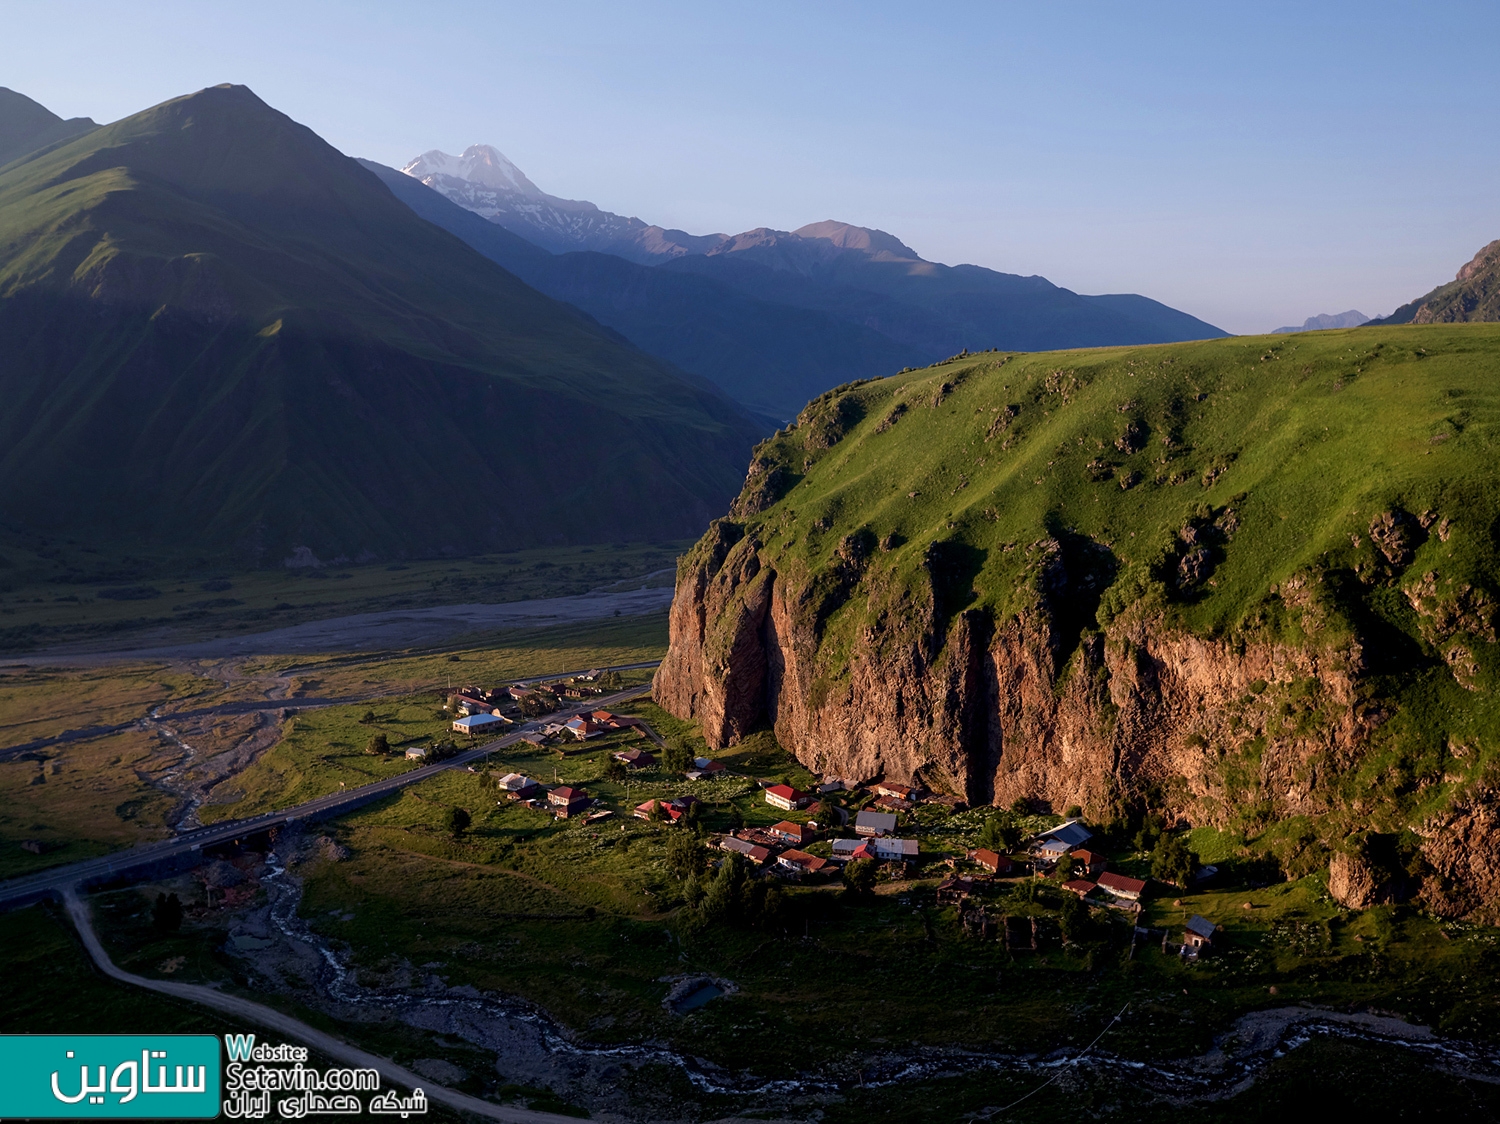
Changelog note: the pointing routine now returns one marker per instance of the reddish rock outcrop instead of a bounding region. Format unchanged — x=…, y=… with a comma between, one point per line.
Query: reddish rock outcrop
x=1200, y=729
x=997, y=714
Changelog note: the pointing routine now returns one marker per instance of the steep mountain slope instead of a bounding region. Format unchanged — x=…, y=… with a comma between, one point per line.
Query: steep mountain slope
x=26, y=126
x=771, y=357
x=1247, y=583
x=482, y=180
x=1473, y=295
x=223, y=335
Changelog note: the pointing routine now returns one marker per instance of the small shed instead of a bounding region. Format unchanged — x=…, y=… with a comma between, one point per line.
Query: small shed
x=635, y=758
x=1198, y=934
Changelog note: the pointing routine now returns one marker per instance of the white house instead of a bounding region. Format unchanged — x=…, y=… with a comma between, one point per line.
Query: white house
x=476, y=724
x=899, y=850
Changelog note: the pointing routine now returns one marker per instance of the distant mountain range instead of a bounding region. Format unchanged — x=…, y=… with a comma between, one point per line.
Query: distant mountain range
x=1472, y=295
x=482, y=180
x=773, y=317
x=224, y=338
x=1326, y=320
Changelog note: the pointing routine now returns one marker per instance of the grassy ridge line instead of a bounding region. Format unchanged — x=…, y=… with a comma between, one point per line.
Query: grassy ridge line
x=1317, y=432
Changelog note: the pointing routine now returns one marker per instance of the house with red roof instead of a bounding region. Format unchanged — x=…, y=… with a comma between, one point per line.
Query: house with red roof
x=567, y=801
x=1092, y=861
x=785, y=797
x=991, y=861
x=1119, y=886
x=752, y=851
x=794, y=833
x=793, y=863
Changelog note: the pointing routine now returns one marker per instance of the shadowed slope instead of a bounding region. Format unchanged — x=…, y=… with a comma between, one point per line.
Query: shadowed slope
x=230, y=337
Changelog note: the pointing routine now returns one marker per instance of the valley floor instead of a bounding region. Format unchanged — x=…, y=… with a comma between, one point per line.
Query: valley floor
x=527, y=959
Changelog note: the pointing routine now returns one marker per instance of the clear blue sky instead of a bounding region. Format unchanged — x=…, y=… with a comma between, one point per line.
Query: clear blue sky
x=1253, y=164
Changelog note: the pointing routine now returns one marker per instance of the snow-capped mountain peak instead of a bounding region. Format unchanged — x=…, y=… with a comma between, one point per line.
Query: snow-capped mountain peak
x=480, y=164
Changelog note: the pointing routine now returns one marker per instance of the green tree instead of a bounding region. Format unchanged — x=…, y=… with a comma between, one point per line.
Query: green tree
x=723, y=899
x=611, y=681
x=367, y=717
x=536, y=704
x=736, y=818
x=859, y=877
x=677, y=757
x=1172, y=861
x=166, y=913
x=457, y=822
x=1076, y=920
x=685, y=854
x=1000, y=833
x=378, y=744
x=615, y=770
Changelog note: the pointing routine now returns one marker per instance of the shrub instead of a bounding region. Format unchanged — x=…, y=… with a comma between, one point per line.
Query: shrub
x=1172, y=861
x=1000, y=833
x=457, y=822
x=166, y=913
x=859, y=877
x=378, y=744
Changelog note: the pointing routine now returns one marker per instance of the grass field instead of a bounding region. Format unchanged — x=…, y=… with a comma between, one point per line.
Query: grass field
x=72, y=595
x=501, y=658
x=41, y=702
x=84, y=797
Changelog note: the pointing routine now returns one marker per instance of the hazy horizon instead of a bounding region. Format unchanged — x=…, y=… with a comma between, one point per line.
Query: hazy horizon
x=1253, y=169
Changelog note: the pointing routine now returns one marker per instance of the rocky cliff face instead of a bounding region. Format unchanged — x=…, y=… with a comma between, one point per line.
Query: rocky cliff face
x=996, y=713
x=1188, y=581
x=1196, y=728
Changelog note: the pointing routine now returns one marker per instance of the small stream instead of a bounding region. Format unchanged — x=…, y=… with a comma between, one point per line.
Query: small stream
x=506, y=1026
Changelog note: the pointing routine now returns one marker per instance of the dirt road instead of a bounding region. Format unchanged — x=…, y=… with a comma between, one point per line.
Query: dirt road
x=272, y=1019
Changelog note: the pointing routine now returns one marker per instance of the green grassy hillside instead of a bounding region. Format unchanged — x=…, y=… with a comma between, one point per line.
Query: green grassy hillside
x=223, y=336
x=1330, y=490
x=1305, y=437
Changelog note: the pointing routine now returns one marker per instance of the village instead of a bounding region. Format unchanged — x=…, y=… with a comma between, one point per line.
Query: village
x=837, y=833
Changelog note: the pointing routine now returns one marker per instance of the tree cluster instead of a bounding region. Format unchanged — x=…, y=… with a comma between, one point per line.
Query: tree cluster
x=734, y=896
x=166, y=913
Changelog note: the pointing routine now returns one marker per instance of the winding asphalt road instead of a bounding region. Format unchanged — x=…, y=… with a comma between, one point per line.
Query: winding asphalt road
x=272, y=1019
x=184, y=847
